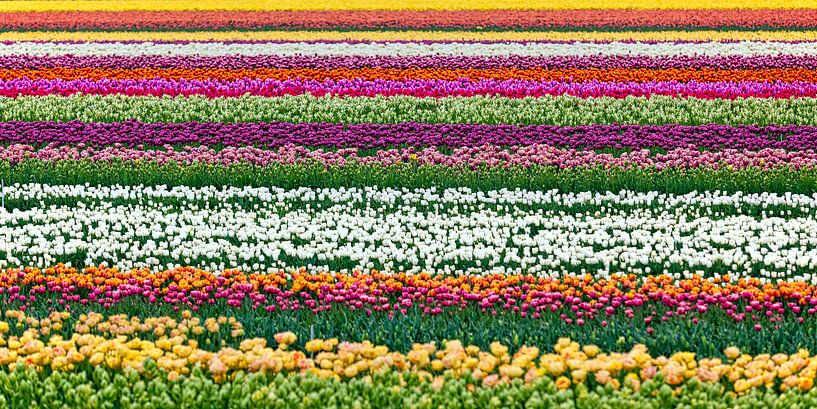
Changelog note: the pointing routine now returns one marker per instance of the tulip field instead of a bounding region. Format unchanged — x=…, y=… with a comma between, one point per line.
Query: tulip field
x=376, y=204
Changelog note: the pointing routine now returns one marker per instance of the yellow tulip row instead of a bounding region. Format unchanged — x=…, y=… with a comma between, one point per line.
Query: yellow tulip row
x=120, y=342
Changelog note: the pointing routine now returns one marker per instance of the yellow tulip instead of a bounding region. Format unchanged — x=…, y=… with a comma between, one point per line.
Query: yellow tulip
x=741, y=385
x=511, y=371
x=498, y=350
x=487, y=363
x=591, y=350
x=805, y=383
x=562, y=383
x=96, y=358
x=732, y=353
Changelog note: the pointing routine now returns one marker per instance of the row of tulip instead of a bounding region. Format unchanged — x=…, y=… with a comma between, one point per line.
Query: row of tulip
x=355, y=5
x=399, y=310
x=412, y=175
x=397, y=36
x=600, y=62
x=474, y=157
x=454, y=232
x=547, y=110
x=620, y=306
x=553, y=199
x=172, y=346
x=412, y=19
x=26, y=388
x=136, y=134
x=41, y=290
x=360, y=87
x=409, y=48
x=793, y=78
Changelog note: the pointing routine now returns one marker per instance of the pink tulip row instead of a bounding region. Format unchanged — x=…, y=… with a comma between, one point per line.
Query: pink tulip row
x=471, y=157
x=214, y=88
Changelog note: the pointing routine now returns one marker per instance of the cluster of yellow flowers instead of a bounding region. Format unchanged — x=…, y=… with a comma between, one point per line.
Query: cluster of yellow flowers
x=120, y=324
x=572, y=363
x=115, y=343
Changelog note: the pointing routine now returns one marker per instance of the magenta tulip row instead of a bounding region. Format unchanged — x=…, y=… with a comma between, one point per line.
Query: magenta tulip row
x=418, y=88
x=471, y=157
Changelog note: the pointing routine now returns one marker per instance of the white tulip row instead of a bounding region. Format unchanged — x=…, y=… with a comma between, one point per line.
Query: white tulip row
x=216, y=49
x=433, y=195
x=453, y=231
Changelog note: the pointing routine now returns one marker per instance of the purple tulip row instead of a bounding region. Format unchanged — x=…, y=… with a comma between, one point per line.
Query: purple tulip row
x=471, y=157
x=133, y=133
x=452, y=62
x=418, y=88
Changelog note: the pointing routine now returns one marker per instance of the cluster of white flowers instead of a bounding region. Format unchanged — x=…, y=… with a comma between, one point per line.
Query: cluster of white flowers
x=454, y=231
x=218, y=49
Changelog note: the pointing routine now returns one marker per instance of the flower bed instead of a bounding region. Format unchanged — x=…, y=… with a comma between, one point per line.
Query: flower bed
x=363, y=203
